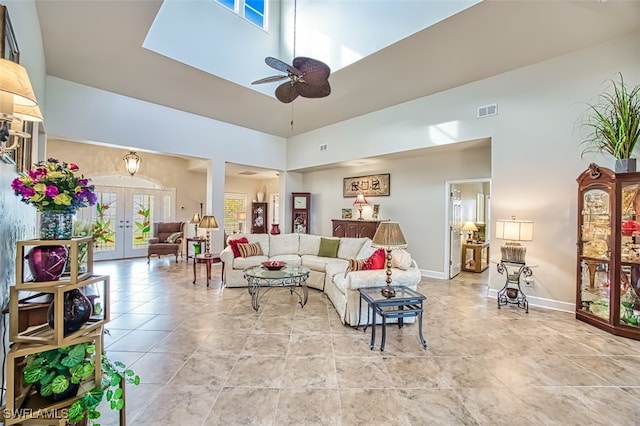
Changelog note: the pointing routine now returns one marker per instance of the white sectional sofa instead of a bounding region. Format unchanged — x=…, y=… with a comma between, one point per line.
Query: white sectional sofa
x=327, y=274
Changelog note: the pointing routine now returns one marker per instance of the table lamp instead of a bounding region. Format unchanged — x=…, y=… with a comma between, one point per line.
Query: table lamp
x=470, y=228
x=241, y=216
x=514, y=231
x=360, y=201
x=196, y=220
x=208, y=222
x=389, y=236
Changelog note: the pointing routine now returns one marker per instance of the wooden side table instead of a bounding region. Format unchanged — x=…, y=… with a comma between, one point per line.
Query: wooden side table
x=208, y=260
x=475, y=257
x=201, y=241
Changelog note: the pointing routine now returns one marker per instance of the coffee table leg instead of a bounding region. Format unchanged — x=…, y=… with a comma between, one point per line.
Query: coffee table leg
x=384, y=332
x=373, y=330
x=424, y=343
x=194, y=270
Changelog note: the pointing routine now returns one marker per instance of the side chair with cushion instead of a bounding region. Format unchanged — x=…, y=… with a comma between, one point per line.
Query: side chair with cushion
x=167, y=239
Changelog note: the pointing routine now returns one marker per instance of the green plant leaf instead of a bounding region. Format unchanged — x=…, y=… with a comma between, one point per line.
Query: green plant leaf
x=76, y=412
x=47, y=377
x=59, y=384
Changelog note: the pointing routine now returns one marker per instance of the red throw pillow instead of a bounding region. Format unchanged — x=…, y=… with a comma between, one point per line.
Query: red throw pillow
x=234, y=245
x=377, y=260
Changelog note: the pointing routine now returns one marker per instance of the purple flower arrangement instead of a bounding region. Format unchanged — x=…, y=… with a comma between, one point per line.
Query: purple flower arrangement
x=54, y=186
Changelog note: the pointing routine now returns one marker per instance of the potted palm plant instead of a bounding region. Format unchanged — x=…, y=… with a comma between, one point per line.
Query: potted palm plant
x=614, y=125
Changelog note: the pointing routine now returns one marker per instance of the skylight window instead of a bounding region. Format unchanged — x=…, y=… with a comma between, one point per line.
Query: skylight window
x=253, y=11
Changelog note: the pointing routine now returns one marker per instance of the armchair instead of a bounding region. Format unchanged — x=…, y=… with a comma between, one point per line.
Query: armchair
x=167, y=239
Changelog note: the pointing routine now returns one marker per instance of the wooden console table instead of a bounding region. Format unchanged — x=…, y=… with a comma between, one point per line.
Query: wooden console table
x=475, y=257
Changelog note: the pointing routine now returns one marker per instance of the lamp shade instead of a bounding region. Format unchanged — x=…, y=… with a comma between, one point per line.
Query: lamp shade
x=389, y=236
x=27, y=113
x=470, y=226
x=195, y=219
x=15, y=80
x=241, y=216
x=360, y=200
x=514, y=230
x=209, y=222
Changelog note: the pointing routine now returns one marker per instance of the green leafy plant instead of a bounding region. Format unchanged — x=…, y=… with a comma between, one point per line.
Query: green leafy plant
x=614, y=122
x=56, y=370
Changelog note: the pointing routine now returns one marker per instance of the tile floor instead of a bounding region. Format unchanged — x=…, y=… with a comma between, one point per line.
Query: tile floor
x=206, y=358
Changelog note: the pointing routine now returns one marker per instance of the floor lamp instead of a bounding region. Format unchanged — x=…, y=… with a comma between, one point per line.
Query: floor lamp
x=389, y=236
x=208, y=222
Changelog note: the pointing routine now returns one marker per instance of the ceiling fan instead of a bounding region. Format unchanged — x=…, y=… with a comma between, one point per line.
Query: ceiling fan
x=308, y=77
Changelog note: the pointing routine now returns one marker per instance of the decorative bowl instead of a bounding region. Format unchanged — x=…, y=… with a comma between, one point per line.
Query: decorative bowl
x=274, y=265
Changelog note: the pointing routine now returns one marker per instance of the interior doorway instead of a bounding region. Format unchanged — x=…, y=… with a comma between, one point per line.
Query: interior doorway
x=467, y=201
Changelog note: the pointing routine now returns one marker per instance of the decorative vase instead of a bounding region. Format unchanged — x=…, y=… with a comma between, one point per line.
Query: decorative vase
x=56, y=225
x=47, y=262
x=77, y=311
x=275, y=229
x=260, y=196
x=625, y=165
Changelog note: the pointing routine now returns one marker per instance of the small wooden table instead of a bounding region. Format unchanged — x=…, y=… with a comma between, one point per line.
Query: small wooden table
x=197, y=240
x=208, y=259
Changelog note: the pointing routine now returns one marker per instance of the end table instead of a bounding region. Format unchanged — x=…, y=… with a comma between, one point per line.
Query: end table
x=208, y=260
x=202, y=242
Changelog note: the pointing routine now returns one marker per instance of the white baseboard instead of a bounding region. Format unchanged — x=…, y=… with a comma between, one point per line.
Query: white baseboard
x=433, y=274
x=541, y=302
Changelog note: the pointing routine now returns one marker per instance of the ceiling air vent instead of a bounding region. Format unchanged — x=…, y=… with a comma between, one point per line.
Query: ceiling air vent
x=247, y=173
x=323, y=147
x=487, y=110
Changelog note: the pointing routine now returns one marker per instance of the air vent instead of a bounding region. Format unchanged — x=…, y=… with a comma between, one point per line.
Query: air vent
x=487, y=110
x=323, y=147
x=247, y=173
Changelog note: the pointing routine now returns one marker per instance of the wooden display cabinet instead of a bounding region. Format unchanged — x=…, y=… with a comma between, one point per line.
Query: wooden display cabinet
x=300, y=212
x=608, y=251
x=259, y=218
x=354, y=228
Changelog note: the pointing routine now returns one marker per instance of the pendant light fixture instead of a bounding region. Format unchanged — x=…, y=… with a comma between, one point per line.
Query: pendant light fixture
x=132, y=162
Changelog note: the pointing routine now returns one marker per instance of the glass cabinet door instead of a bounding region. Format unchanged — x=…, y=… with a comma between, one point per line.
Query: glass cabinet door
x=630, y=255
x=595, y=253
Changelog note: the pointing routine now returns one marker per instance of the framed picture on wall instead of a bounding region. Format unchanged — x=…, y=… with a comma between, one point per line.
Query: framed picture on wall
x=347, y=214
x=375, y=212
x=369, y=186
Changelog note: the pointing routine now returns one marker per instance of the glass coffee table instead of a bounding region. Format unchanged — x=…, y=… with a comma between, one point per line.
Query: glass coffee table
x=406, y=303
x=291, y=276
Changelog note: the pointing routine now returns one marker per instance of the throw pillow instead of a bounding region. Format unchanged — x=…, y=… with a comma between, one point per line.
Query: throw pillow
x=250, y=249
x=173, y=237
x=355, y=265
x=400, y=259
x=329, y=247
x=377, y=260
x=234, y=245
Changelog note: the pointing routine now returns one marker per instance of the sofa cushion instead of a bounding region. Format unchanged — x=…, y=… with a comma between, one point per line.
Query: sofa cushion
x=377, y=260
x=366, y=250
x=246, y=262
x=234, y=245
x=291, y=259
x=328, y=247
x=356, y=265
x=400, y=259
x=283, y=244
x=309, y=244
x=250, y=249
x=173, y=237
x=334, y=268
x=350, y=247
x=320, y=264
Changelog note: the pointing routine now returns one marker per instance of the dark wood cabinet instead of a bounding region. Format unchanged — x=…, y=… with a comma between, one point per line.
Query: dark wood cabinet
x=354, y=228
x=300, y=209
x=608, y=266
x=259, y=218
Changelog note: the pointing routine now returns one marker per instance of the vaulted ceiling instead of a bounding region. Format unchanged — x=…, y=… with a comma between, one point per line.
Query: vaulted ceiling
x=99, y=44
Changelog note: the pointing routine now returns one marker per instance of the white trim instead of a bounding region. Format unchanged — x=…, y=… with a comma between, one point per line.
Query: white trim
x=433, y=274
x=540, y=302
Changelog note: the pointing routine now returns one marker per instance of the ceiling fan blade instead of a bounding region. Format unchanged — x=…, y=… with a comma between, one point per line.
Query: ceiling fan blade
x=310, y=91
x=281, y=66
x=313, y=71
x=287, y=92
x=270, y=79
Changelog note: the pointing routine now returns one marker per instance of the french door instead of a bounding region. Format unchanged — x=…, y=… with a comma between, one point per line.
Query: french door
x=455, y=233
x=123, y=219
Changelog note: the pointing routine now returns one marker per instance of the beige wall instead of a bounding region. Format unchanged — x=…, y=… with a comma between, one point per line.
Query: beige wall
x=167, y=171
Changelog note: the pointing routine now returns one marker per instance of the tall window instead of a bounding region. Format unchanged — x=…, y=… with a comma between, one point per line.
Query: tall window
x=234, y=204
x=254, y=11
